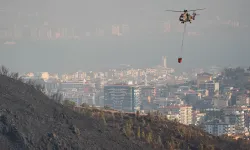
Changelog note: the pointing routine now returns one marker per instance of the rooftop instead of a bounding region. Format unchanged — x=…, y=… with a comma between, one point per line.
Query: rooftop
x=216, y=121
x=204, y=74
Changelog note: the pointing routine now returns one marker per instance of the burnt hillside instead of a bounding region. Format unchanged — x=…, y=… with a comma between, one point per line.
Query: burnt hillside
x=30, y=120
x=155, y=129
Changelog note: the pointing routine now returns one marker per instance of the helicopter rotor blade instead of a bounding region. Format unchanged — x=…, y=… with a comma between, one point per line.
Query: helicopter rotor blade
x=174, y=10
x=197, y=9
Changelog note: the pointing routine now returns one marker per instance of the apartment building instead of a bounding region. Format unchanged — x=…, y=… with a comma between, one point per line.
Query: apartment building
x=184, y=112
x=218, y=128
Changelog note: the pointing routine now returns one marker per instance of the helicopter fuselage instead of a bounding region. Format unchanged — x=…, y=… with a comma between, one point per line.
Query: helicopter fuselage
x=186, y=17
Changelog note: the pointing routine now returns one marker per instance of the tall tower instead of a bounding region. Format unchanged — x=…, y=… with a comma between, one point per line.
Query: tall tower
x=125, y=29
x=116, y=30
x=164, y=61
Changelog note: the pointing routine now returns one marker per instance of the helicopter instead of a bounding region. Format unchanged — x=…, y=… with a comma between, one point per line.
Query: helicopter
x=186, y=17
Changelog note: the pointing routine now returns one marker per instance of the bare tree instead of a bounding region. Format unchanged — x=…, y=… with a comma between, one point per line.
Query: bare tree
x=57, y=97
x=4, y=71
x=30, y=82
x=14, y=75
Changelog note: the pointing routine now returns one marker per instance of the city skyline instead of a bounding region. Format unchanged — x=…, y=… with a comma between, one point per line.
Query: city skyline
x=27, y=30
x=216, y=36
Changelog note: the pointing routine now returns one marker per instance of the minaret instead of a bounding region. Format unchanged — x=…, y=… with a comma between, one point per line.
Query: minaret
x=164, y=61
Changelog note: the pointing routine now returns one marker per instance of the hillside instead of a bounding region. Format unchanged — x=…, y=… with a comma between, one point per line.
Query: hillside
x=161, y=133
x=30, y=120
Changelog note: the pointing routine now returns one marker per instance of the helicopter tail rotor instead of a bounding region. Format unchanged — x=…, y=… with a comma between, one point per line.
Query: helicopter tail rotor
x=194, y=15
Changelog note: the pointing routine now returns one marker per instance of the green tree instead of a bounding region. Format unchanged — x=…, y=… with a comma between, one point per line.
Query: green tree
x=176, y=121
x=69, y=103
x=130, y=122
x=189, y=134
x=137, y=114
x=143, y=134
x=149, y=137
x=157, y=113
x=166, y=118
x=88, y=113
x=107, y=107
x=201, y=147
x=211, y=147
x=103, y=118
x=159, y=141
x=85, y=105
x=128, y=128
x=139, y=132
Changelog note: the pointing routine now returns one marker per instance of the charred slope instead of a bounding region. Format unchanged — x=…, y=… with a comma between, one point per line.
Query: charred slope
x=160, y=133
x=30, y=120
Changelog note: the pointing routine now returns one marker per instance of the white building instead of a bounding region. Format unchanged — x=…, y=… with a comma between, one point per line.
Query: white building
x=242, y=100
x=220, y=102
x=184, y=112
x=173, y=117
x=71, y=85
x=77, y=97
x=183, y=89
x=218, y=128
x=198, y=118
x=236, y=118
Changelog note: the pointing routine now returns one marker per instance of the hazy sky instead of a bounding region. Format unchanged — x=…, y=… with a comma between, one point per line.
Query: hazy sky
x=217, y=44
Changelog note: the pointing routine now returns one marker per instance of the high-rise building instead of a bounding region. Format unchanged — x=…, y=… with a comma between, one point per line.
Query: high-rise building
x=184, y=112
x=203, y=78
x=26, y=33
x=236, y=118
x=99, y=32
x=49, y=33
x=116, y=30
x=125, y=29
x=217, y=127
x=65, y=32
x=42, y=33
x=161, y=91
x=73, y=32
x=122, y=97
x=16, y=32
x=34, y=33
x=148, y=93
x=164, y=61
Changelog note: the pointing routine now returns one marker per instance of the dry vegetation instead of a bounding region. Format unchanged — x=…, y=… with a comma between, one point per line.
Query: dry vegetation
x=157, y=131
x=31, y=120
